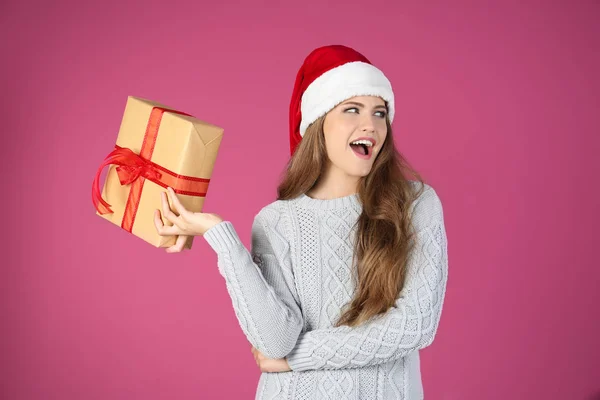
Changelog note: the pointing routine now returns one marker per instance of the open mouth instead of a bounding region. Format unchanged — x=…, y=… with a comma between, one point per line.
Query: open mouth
x=363, y=148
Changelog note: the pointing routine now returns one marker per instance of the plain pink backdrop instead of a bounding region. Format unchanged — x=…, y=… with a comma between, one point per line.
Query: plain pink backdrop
x=497, y=106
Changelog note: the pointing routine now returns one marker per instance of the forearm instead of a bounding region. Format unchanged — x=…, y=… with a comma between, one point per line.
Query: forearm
x=394, y=335
x=267, y=318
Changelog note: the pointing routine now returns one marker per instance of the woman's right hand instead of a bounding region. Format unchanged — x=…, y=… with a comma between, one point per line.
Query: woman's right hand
x=185, y=224
x=270, y=364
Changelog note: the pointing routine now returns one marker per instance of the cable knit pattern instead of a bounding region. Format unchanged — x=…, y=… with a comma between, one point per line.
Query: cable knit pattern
x=288, y=291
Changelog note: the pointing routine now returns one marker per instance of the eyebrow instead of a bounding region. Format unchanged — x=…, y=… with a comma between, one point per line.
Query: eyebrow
x=362, y=105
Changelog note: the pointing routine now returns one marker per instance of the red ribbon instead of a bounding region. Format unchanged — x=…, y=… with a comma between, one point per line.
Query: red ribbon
x=133, y=169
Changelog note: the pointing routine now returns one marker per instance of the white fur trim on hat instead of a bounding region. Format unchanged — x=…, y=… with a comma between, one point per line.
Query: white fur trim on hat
x=355, y=78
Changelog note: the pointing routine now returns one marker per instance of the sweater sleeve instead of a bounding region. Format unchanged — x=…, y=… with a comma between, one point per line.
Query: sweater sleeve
x=409, y=325
x=260, y=282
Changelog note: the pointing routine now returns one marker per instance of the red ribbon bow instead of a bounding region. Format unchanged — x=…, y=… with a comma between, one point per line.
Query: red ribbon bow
x=130, y=167
x=129, y=173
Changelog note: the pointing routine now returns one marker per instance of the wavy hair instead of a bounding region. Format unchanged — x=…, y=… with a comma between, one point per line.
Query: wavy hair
x=385, y=232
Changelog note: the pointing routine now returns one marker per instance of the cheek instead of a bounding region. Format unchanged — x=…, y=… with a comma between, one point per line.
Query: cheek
x=335, y=146
x=384, y=130
x=332, y=146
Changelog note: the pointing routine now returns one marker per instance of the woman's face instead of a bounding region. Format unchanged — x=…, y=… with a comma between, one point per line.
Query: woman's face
x=361, y=117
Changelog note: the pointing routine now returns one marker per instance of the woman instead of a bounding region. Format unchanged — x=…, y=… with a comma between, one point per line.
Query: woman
x=346, y=278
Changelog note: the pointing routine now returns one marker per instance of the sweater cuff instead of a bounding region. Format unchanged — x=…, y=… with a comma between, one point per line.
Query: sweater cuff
x=299, y=359
x=222, y=237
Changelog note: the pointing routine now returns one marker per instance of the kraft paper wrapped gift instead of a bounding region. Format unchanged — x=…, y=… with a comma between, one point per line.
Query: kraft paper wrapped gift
x=156, y=147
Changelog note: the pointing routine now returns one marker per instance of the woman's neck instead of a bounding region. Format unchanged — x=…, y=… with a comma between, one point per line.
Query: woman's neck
x=334, y=183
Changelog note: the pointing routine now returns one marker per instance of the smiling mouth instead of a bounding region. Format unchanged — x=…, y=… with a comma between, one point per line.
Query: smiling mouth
x=361, y=149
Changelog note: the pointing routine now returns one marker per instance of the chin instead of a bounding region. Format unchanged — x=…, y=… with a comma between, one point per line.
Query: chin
x=361, y=173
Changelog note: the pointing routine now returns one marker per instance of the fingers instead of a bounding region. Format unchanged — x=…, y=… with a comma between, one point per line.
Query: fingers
x=169, y=215
x=170, y=231
x=178, y=246
x=179, y=227
x=181, y=210
x=255, y=354
x=162, y=229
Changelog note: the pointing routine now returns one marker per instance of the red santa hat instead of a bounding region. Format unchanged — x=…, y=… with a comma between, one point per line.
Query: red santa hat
x=328, y=76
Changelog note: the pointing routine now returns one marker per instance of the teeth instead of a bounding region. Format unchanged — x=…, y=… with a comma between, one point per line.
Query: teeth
x=365, y=142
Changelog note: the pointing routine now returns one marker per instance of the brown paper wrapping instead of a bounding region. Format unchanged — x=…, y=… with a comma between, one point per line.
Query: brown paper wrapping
x=184, y=145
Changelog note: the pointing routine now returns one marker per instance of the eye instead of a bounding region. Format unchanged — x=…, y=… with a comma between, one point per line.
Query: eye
x=381, y=114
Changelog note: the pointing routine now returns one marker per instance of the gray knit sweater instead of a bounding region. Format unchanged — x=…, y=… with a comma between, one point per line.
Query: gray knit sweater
x=288, y=291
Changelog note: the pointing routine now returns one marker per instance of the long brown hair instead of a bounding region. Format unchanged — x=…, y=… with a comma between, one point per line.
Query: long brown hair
x=384, y=232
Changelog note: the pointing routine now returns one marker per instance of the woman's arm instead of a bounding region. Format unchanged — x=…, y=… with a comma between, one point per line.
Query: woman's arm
x=409, y=325
x=260, y=282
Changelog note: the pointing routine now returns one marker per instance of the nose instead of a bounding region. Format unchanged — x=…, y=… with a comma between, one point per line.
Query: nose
x=367, y=123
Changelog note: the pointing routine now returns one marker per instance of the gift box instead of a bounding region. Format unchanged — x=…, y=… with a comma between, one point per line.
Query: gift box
x=157, y=147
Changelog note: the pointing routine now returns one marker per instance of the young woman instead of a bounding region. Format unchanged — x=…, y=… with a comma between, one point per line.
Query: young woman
x=346, y=278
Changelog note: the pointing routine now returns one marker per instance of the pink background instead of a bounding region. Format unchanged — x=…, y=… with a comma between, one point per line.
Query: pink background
x=497, y=106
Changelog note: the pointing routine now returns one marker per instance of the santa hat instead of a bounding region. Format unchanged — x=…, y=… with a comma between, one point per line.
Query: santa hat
x=328, y=76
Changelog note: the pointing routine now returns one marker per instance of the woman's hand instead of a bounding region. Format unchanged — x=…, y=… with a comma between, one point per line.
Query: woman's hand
x=185, y=224
x=270, y=364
